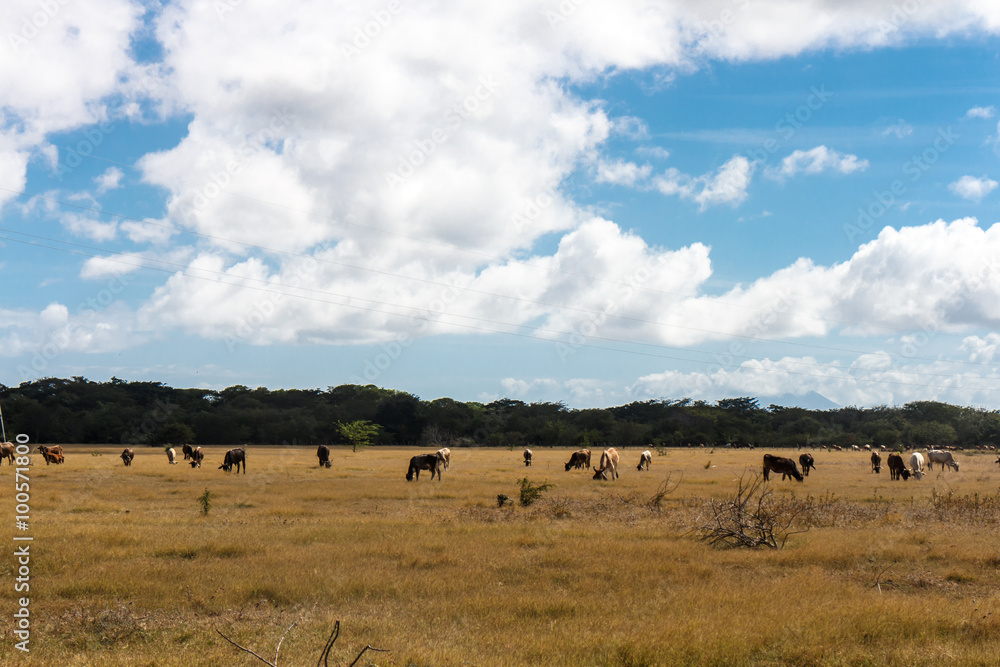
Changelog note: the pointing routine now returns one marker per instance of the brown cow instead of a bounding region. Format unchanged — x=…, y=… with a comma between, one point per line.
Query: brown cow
x=323, y=452
x=807, y=462
x=48, y=453
x=579, y=459
x=876, y=462
x=196, y=456
x=187, y=450
x=127, y=456
x=897, y=470
x=780, y=464
x=7, y=452
x=609, y=459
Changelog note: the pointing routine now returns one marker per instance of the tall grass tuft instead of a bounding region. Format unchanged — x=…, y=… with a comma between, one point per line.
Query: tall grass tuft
x=205, y=500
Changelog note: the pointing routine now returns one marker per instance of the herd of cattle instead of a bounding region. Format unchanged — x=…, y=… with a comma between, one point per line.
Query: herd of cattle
x=897, y=468
x=440, y=460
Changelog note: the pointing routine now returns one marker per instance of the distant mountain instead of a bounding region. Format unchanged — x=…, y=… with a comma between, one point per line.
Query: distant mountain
x=810, y=401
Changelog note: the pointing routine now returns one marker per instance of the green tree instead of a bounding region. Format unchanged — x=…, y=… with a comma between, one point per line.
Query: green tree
x=359, y=433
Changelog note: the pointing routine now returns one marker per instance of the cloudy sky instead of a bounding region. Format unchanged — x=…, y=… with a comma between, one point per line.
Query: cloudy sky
x=587, y=201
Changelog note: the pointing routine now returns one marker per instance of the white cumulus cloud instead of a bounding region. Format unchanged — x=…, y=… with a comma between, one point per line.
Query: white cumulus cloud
x=727, y=185
x=817, y=160
x=973, y=188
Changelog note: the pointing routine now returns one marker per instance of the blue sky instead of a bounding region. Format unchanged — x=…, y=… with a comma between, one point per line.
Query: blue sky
x=591, y=203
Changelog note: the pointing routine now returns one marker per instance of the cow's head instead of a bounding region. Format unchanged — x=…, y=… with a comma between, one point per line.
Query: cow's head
x=226, y=466
x=328, y=464
x=905, y=474
x=599, y=473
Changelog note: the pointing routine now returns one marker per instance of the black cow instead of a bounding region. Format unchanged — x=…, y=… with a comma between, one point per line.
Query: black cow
x=897, y=469
x=780, y=464
x=187, y=450
x=527, y=457
x=235, y=457
x=196, y=456
x=127, y=456
x=323, y=452
x=876, y=462
x=807, y=462
x=433, y=462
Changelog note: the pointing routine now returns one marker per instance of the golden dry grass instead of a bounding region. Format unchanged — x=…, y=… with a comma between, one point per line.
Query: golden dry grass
x=127, y=571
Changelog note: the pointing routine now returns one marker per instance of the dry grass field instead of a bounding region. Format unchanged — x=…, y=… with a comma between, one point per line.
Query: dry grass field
x=126, y=568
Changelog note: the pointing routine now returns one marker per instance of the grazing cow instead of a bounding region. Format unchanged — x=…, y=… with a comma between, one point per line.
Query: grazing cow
x=127, y=456
x=433, y=462
x=781, y=464
x=187, y=450
x=196, y=456
x=609, y=459
x=171, y=456
x=942, y=457
x=579, y=459
x=917, y=465
x=527, y=457
x=997, y=461
x=807, y=462
x=445, y=455
x=235, y=457
x=896, y=468
x=868, y=448
x=49, y=453
x=323, y=452
x=645, y=459
x=7, y=452
x=855, y=448
x=876, y=462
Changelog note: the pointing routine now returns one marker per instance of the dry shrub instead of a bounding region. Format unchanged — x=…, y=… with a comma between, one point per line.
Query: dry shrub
x=750, y=518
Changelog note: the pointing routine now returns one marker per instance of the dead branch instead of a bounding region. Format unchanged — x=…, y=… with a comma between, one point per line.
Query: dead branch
x=329, y=644
x=665, y=489
x=367, y=648
x=247, y=650
x=323, y=656
x=278, y=647
x=878, y=584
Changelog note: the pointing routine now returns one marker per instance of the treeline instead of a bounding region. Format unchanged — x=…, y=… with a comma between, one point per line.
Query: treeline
x=76, y=410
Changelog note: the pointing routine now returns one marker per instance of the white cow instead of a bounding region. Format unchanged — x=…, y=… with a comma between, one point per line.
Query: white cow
x=917, y=465
x=943, y=457
x=171, y=455
x=445, y=455
x=645, y=459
